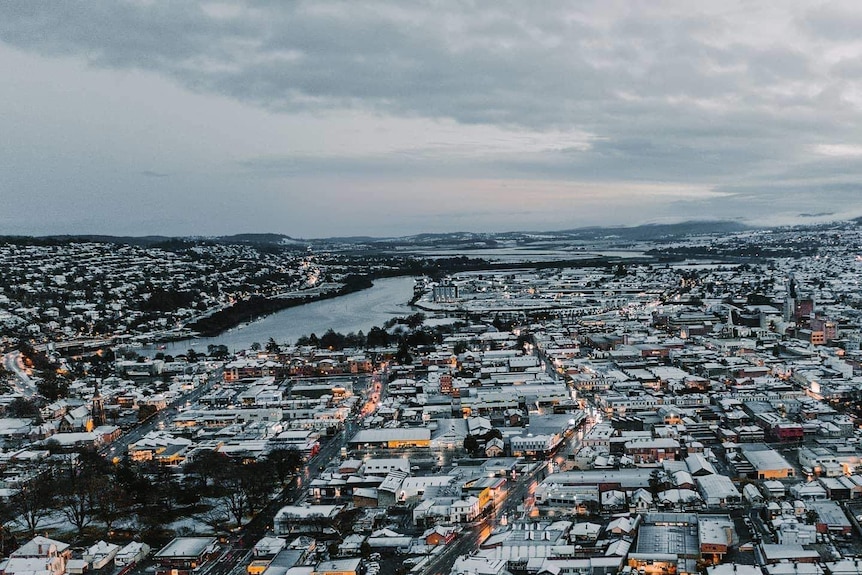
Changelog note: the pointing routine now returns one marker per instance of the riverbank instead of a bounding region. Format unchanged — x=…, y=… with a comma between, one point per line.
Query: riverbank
x=259, y=306
x=359, y=311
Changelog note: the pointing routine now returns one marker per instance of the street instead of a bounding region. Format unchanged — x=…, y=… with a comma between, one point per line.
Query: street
x=13, y=363
x=469, y=540
x=235, y=557
x=120, y=446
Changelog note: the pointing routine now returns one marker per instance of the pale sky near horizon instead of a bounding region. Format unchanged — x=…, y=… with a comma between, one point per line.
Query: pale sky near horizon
x=325, y=118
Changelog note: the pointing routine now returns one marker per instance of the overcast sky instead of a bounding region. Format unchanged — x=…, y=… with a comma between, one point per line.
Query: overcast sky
x=327, y=118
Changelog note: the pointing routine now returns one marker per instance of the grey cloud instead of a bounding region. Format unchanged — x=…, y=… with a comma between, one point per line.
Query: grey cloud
x=669, y=98
x=832, y=21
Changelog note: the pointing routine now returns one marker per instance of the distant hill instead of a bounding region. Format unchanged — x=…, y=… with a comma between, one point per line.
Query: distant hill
x=465, y=240
x=660, y=231
x=263, y=239
x=258, y=239
x=129, y=240
x=647, y=232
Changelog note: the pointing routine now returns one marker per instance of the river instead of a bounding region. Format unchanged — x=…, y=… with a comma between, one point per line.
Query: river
x=360, y=310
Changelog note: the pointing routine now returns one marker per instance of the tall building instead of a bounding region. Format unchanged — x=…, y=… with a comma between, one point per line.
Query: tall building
x=789, y=300
x=826, y=326
x=445, y=293
x=97, y=408
x=804, y=309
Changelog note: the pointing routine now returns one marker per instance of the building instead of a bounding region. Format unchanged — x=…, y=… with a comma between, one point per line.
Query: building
x=652, y=450
x=393, y=438
x=716, y=535
x=767, y=463
x=293, y=518
x=40, y=556
x=439, y=535
x=831, y=518
x=183, y=555
x=718, y=491
x=100, y=554
x=131, y=554
x=667, y=543
x=338, y=567
x=444, y=293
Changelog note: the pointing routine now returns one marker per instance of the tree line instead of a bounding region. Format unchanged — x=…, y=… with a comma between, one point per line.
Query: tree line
x=94, y=495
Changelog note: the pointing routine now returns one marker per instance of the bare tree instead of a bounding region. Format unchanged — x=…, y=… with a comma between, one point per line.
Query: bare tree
x=34, y=501
x=245, y=488
x=216, y=517
x=284, y=462
x=112, y=503
x=77, y=498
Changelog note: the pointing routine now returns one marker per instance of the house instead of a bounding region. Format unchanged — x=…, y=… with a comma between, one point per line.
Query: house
x=107, y=433
x=478, y=426
x=388, y=539
x=622, y=526
x=69, y=441
x=464, y=510
x=641, y=501
x=613, y=499
x=77, y=419
x=439, y=535
x=365, y=497
x=100, y=554
x=351, y=545
x=131, y=553
x=43, y=547
x=585, y=531
x=494, y=447
x=39, y=555
x=831, y=518
x=652, y=450
x=752, y=494
x=698, y=465
x=679, y=498
x=382, y=467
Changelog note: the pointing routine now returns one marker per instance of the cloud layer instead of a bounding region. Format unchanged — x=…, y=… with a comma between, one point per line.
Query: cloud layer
x=753, y=110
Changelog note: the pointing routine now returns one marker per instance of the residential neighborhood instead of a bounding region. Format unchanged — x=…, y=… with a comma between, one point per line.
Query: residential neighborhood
x=653, y=414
